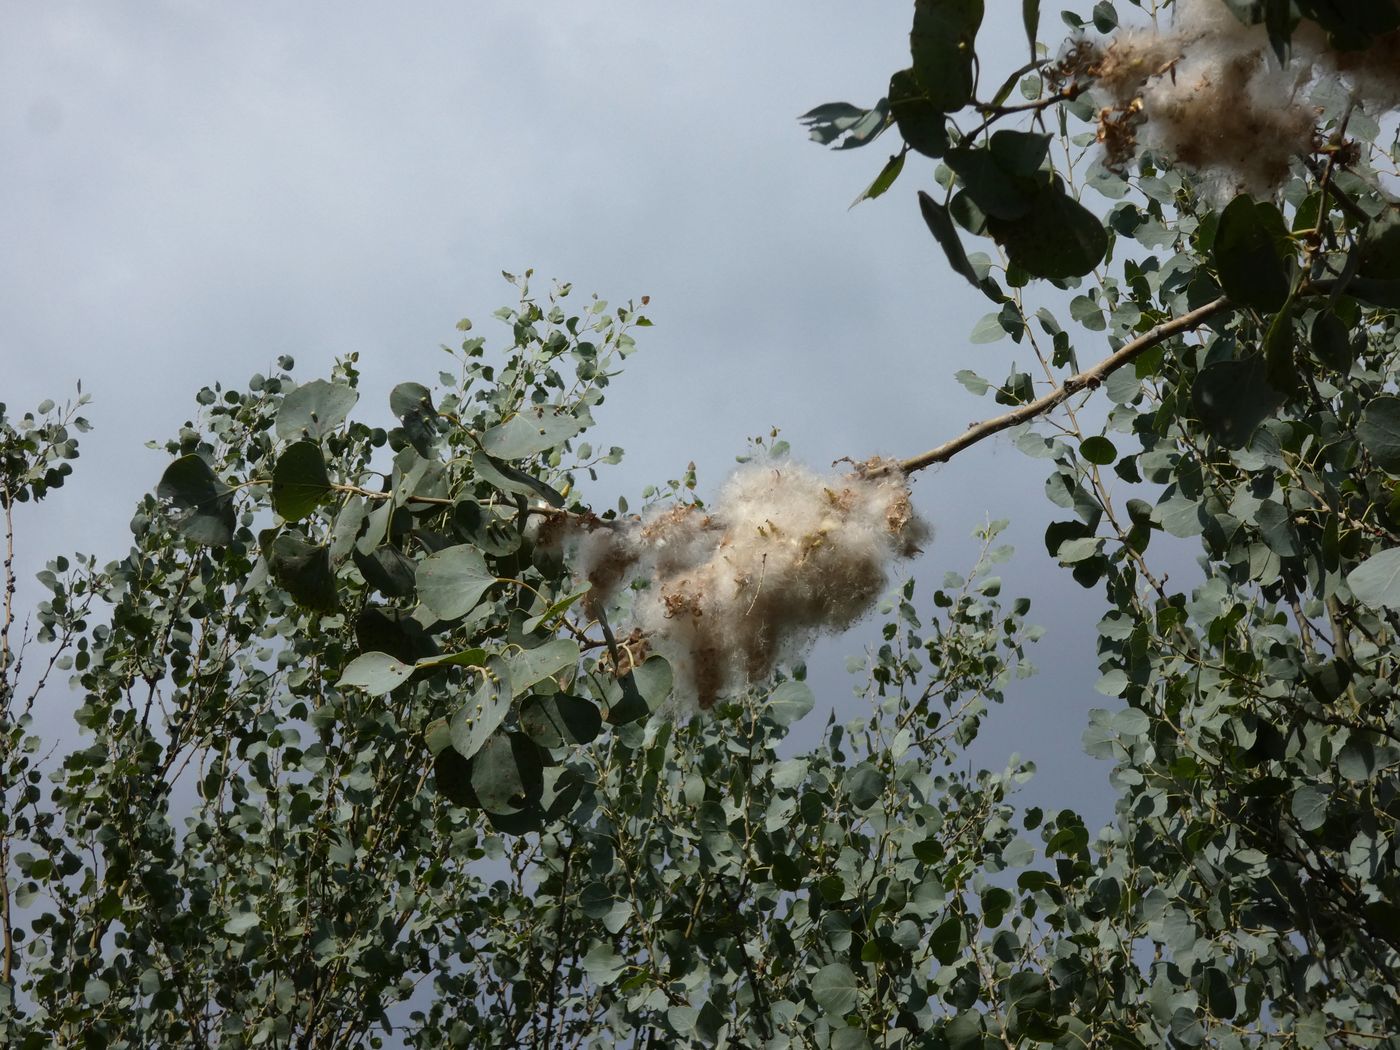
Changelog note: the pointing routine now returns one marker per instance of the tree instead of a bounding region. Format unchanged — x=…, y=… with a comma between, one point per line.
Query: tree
x=367, y=762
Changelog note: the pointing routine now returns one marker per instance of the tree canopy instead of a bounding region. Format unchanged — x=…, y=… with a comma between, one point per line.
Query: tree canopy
x=390, y=738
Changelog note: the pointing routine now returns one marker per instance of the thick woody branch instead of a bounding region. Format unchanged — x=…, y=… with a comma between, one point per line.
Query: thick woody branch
x=1089, y=379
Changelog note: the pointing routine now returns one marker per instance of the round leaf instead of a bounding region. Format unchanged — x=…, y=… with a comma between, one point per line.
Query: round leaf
x=543, y=661
x=1233, y=397
x=452, y=581
x=452, y=774
x=411, y=399
x=1247, y=255
x=864, y=784
x=834, y=989
x=375, y=673
x=941, y=45
x=304, y=569
x=560, y=720
x=507, y=774
x=1309, y=806
x=920, y=122
x=1379, y=432
x=480, y=716
x=315, y=409
x=789, y=702
x=1098, y=449
x=203, y=504
x=1376, y=581
x=535, y=429
x=1057, y=237
x=299, y=481
x=644, y=690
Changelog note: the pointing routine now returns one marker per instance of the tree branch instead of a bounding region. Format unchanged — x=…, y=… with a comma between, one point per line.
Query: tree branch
x=1089, y=379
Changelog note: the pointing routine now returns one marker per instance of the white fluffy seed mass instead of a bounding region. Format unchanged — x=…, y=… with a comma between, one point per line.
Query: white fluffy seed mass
x=1209, y=94
x=1373, y=74
x=727, y=591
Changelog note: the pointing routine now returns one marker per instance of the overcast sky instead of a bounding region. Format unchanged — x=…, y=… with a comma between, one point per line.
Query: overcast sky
x=190, y=188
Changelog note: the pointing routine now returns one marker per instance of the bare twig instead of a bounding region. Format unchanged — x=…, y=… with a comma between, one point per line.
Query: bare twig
x=1089, y=379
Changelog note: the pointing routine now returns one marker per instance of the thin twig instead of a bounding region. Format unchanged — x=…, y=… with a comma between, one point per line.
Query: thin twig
x=1089, y=379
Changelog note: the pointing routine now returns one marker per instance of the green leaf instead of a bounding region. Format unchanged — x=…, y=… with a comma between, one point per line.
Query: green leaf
x=1309, y=806
x=988, y=330
x=534, y=665
x=1232, y=398
x=503, y=476
x=1376, y=581
x=1379, y=432
x=864, y=785
x=921, y=124
x=412, y=404
x=314, y=410
x=1276, y=528
x=408, y=400
x=383, y=629
x=1030, y=18
x=1380, y=251
x=682, y=1020
x=850, y=127
x=1331, y=343
x=485, y=528
x=437, y=736
x=203, y=505
x=940, y=224
x=507, y=774
x=1057, y=238
x=452, y=581
x=453, y=776
x=789, y=702
x=997, y=192
x=1246, y=253
x=851, y=1038
x=1020, y=153
x=946, y=940
x=534, y=623
x=1219, y=993
x=941, y=44
x=474, y=722
x=97, y=991
x=1098, y=449
x=388, y=570
x=884, y=180
x=241, y=922
x=464, y=658
x=603, y=965
x=299, y=481
x=965, y=1031
x=560, y=720
x=834, y=989
x=304, y=569
x=644, y=690
x=375, y=673
x=532, y=430
x=348, y=523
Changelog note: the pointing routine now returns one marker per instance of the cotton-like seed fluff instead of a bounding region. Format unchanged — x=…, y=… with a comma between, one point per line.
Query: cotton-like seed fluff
x=727, y=592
